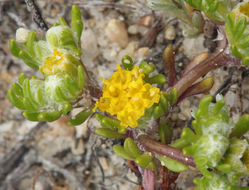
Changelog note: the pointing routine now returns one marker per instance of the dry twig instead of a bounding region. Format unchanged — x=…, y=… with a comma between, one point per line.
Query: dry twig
x=36, y=14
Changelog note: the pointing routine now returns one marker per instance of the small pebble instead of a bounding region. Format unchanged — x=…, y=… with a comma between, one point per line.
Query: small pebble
x=133, y=29
x=116, y=32
x=142, y=52
x=170, y=33
x=143, y=30
x=78, y=148
x=145, y=21
x=104, y=163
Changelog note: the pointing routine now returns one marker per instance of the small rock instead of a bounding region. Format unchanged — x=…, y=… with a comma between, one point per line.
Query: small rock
x=143, y=30
x=193, y=46
x=142, y=52
x=133, y=29
x=78, y=148
x=129, y=50
x=8, y=126
x=116, y=32
x=145, y=21
x=110, y=54
x=89, y=46
x=54, y=12
x=104, y=163
x=170, y=33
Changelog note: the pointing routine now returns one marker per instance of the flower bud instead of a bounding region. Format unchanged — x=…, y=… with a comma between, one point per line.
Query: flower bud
x=22, y=35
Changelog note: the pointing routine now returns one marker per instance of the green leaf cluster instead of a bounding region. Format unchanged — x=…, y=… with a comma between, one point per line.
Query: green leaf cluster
x=237, y=31
x=215, y=9
x=111, y=127
x=216, y=143
x=130, y=151
x=193, y=19
x=47, y=99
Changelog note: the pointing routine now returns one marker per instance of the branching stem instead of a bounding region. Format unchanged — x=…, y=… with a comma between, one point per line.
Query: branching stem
x=154, y=146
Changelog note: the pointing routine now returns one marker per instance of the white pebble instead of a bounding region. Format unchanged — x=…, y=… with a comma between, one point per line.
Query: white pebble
x=170, y=33
x=117, y=32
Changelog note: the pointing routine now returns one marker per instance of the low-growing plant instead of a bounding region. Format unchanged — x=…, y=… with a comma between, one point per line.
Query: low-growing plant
x=131, y=106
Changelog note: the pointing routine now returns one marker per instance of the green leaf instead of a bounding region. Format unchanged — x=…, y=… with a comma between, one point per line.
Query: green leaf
x=67, y=108
x=49, y=116
x=172, y=96
x=171, y=164
x=165, y=130
x=28, y=60
x=144, y=160
x=158, y=112
x=30, y=43
x=109, y=133
x=110, y=123
x=241, y=127
x=146, y=67
x=14, y=48
x=127, y=62
x=16, y=101
x=76, y=22
x=81, y=77
x=31, y=116
x=80, y=117
x=131, y=147
x=156, y=79
x=21, y=78
x=62, y=21
x=164, y=102
x=119, y=150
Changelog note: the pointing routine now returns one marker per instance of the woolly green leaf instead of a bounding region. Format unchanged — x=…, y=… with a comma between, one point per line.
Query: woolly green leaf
x=29, y=45
x=14, y=48
x=76, y=22
x=62, y=21
x=237, y=31
x=16, y=101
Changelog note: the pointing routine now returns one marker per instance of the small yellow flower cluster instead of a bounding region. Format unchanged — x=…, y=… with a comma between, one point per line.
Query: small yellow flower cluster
x=53, y=62
x=127, y=96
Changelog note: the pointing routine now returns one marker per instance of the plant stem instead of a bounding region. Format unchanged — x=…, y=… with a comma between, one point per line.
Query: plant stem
x=153, y=146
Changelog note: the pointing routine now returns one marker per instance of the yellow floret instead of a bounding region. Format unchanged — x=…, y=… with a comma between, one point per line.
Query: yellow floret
x=55, y=61
x=127, y=96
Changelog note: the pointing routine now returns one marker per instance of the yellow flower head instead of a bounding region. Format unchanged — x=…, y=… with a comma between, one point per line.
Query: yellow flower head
x=55, y=61
x=127, y=96
x=59, y=62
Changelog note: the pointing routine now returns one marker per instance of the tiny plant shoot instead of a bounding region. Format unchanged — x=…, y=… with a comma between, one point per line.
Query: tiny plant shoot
x=132, y=105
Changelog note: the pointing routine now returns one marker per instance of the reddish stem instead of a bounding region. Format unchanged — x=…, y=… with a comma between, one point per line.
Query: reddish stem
x=213, y=62
x=148, y=179
x=153, y=146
